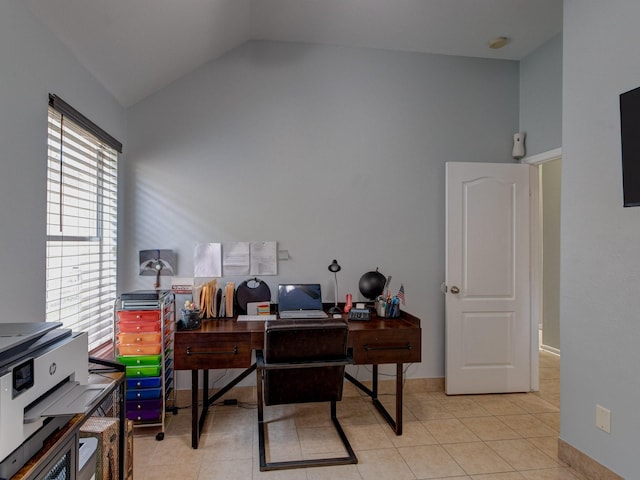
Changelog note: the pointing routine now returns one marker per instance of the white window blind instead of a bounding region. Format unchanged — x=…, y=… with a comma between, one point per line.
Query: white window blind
x=82, y=193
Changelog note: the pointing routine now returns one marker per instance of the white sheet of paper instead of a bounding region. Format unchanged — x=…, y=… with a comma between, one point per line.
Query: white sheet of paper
x=207, y=260
x=235, y=258
x=264, y=258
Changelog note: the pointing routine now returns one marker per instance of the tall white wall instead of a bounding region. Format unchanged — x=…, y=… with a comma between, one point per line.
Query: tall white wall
x=541, y=120
x=365, y=134
x=550, y=182
x=541, y=97
x=600, y=271
x=32, y=65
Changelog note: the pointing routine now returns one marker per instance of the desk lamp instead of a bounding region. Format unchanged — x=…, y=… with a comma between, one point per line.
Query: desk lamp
x=335, y=268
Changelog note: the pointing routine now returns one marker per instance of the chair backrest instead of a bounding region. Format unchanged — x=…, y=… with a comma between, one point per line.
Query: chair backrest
x=302, y=342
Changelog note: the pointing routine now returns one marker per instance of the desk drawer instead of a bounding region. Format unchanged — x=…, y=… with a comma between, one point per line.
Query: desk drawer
x=201, y=350
x=386, y=346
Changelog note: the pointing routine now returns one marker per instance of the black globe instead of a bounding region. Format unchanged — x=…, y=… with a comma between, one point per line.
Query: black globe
x=372, y=284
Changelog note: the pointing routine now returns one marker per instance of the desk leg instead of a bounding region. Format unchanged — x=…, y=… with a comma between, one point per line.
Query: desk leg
x=396, y=424
x=205, y=404
x=195, y=434
x=197, y=422
x=399, y=398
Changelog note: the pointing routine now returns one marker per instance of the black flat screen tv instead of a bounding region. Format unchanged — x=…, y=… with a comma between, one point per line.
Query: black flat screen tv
x=630, y=133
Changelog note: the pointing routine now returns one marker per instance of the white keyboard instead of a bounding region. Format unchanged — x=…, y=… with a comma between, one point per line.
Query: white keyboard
x=303, y=314
x=255, y=318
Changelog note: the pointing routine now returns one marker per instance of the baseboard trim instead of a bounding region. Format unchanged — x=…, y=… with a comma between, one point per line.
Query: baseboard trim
x=583, y=463
x=548, y=349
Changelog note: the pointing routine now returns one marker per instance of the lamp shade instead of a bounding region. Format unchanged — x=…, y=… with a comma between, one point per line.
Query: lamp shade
x=335, y=268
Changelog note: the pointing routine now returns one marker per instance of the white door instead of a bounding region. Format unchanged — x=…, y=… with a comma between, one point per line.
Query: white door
x=488, y=329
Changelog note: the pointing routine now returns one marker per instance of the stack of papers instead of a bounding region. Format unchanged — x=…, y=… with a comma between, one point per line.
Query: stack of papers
x=207, y=298
x=214, y=302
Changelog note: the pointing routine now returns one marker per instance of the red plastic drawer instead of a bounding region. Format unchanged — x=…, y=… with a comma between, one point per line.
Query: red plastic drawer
x=138, y=315
x=139, y=326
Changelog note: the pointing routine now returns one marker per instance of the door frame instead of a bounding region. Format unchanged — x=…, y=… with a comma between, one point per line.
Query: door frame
x=536, y=256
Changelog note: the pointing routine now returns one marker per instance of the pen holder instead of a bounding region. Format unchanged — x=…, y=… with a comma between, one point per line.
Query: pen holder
x=190, y=320
x=386, y=309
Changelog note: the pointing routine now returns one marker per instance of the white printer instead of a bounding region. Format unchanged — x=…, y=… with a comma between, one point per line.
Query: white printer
x=43, y=382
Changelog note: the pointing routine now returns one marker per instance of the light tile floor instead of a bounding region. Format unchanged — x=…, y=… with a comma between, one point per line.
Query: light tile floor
x=479, y=437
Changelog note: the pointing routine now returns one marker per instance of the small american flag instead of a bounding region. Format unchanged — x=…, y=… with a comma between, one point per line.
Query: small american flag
x=401, y=293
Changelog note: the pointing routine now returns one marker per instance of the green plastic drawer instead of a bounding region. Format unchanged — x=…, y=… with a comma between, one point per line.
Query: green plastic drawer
x=143, y=371
x=140, y=359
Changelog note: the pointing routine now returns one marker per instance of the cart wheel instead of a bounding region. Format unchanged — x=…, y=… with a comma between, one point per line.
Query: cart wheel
x=160, y=436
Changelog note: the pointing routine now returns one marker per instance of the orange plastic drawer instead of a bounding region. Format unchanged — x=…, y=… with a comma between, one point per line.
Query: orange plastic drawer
x=137, y=315
x=139, y=349
x=139, y=326
x=139, y=338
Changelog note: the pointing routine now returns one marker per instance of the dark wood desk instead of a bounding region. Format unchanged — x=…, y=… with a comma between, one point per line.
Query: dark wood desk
x=227, y=343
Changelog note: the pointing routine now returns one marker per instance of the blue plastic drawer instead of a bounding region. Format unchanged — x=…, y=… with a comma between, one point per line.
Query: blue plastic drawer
x=144, y=393
x=145, y=382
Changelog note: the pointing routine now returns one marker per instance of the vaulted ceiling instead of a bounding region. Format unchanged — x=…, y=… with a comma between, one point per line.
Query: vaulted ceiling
x=137, y=47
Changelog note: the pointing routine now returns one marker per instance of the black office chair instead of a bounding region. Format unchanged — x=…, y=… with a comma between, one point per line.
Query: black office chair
x=302, y=361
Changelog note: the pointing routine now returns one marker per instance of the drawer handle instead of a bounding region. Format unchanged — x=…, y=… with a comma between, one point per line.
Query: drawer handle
x=234, y=352
x=367, y=348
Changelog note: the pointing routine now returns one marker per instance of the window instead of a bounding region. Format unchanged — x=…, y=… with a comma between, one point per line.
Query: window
x=82, y=192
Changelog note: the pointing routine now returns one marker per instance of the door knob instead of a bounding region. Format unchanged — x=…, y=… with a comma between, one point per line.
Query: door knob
x=455, y=289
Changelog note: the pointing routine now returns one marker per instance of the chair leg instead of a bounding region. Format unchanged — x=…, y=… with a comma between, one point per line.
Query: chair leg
x=321, y=462
x=263, y=457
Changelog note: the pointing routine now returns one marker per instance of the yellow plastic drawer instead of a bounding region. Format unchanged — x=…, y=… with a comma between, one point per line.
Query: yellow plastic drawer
x=139, y=349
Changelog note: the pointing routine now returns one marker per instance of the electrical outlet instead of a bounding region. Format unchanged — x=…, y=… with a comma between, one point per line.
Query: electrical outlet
x=603, y=418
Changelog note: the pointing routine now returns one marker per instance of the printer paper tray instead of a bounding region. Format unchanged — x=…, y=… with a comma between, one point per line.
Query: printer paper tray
x=69, y=399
